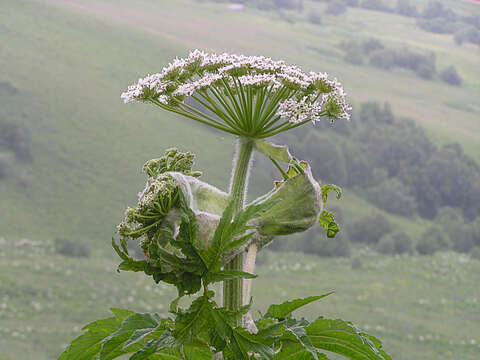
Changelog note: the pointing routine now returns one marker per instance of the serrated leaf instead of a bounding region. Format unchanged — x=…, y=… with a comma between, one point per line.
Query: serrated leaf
x=166, y=340
x=297, y=329
x=292, y=350
x=197, y=350
x=329, y=187
x=248, y=342
x=114, y=345
x=327, y=221
x=193, y=321
x=88, y=345
x=341, y=337
x=284, y=309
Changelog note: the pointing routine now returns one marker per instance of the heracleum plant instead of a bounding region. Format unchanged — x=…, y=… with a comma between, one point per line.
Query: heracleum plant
x=194, y=234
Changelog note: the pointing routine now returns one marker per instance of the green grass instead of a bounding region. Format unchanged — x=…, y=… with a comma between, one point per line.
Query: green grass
x=423, y=308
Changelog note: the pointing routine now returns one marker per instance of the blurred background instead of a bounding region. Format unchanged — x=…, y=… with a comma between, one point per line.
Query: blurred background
x=406, y=263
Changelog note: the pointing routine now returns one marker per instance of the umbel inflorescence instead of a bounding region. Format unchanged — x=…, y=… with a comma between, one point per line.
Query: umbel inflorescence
x=248, y=96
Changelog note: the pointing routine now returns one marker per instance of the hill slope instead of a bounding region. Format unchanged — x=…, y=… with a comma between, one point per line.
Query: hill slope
x=69, y=61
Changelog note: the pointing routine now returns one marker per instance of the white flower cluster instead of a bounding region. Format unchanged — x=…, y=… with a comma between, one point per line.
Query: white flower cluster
x=297, y=111
x=307, y=92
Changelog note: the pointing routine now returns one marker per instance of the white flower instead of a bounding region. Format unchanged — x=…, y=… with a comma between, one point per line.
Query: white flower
x=298, y=96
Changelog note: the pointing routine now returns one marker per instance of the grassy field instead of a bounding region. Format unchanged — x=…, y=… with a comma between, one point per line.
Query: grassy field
x=424, y=308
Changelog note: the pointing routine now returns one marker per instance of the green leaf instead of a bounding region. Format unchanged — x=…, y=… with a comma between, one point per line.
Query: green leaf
x=328, y=222
x=193, y=321
x=329, y=187
x=114, y=345
x=87, y=346
x=197, y=350
x=284, y=309
x=223, y=275
x=343, y=338
x=166, y=340
x=277, y=152
x=297, y=329
x=292, y=350
x=248, y=342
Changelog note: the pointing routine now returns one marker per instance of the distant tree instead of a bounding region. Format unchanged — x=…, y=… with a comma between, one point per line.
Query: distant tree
x=405, y=8
x=467, y=34
x=433, y=240
x=393, y=196
x=425, y=71
x=71, y=248
x=314, y=17
x=436, y=9
x=286, y=4
x=4, y=163
x=354, y=56
x=395, y=243
x=384, y=59
x=455, y=187
x=371, y=44
x=475, y=253
x=369, y=229
x=450, y=76
x=378, y=5
x=336, y=7
x=437, y=25
x=353, y=3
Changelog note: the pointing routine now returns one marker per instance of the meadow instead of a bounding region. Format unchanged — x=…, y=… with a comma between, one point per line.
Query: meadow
x=422, y=307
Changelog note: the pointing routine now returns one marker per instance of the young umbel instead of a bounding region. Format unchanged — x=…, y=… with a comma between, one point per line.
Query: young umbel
x=194, y=235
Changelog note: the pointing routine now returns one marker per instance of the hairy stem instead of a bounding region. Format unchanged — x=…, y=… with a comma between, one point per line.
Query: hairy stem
x=250, y=268
x=233, y=289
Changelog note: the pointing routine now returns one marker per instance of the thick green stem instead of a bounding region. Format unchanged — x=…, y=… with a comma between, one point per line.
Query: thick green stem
x=233, y=289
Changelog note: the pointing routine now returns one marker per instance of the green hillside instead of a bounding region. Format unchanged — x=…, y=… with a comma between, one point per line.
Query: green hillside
x=69, y=61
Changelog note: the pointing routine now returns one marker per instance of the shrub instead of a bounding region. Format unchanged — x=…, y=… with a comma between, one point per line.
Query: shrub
x=353, y=3
x=475, y=253
x=369, y=229
x=406, y=9
x=354, y=56
x=395, y=243
x=356, y=263
x=433, y=240
x=425, y=71
x=336, y=7
x=71, y=248
x=436, y=10
x=384, y=59
x=393, y=196
x=371, y=44
x=375, y=5
x=450, y=76
x=3, y=165
x=265, y=5
x=386, y=245
x=337, y=247
x=286, y=4
x=437, y=26
x=315, y=18
x=16, y=138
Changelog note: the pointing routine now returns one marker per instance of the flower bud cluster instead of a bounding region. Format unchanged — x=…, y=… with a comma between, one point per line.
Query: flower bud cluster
x=148, y=219
x=302, y=95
